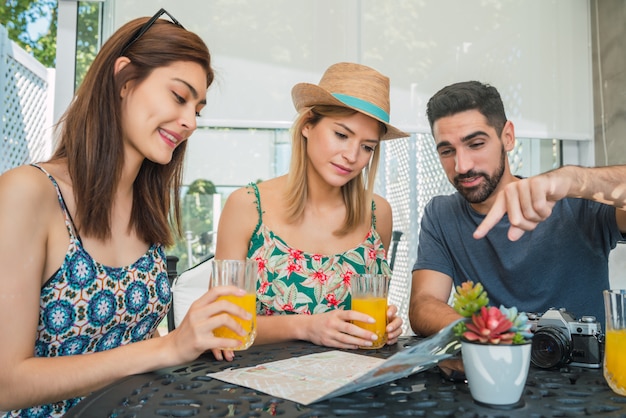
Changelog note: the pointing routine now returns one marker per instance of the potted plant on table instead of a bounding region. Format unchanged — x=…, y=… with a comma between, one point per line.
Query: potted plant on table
x=495, y=347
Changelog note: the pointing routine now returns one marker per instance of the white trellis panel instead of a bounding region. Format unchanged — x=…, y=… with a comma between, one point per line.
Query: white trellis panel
x=25, y=109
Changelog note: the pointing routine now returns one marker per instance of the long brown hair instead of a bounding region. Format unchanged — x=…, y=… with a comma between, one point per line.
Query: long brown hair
x=357, y=193
x=90, y=135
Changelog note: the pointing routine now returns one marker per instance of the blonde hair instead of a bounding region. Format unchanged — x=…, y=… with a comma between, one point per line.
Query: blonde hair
x=357, y=193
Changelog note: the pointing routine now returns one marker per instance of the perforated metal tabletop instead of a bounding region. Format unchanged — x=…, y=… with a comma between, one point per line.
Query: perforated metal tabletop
x=186, y=391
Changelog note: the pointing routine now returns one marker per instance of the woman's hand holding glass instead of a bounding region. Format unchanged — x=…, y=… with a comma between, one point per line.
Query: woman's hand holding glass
x=336, y=329
x=394, y=325
x=195, y=334
x=369, y=296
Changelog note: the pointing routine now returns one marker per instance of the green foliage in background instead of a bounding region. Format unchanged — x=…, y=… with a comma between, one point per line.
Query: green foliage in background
x=201, y=186
x=17, y=15
x=198, y=225
x=87, y=37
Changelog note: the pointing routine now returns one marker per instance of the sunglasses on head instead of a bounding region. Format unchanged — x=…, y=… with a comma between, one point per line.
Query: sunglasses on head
x=147, y=26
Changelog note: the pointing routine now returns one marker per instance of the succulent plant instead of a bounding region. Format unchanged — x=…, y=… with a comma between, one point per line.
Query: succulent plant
x=488, y=324
x=469, y=298
x=521, y=326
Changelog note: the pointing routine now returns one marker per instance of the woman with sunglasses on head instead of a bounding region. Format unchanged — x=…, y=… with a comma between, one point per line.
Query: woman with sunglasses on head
x=315, y=227
x=84, y=280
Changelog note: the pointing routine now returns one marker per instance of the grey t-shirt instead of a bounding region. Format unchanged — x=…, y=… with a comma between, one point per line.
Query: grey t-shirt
x=563, y=263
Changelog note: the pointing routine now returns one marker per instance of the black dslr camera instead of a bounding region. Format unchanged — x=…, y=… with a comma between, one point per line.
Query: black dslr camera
x=560, y=339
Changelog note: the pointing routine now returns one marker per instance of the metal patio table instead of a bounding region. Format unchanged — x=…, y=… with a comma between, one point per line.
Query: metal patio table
x=186, y=391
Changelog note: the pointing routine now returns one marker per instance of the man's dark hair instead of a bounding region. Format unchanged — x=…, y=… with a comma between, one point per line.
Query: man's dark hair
x=467, y=95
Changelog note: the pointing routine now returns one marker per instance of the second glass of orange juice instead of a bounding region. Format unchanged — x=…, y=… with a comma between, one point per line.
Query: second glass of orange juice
x=369, y=296
x=615, y=340
x=242, y=274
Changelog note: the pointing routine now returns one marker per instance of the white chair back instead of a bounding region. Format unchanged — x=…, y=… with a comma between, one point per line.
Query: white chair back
x=189, y=286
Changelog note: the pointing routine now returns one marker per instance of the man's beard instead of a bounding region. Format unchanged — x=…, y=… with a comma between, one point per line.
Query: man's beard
x=480, y=193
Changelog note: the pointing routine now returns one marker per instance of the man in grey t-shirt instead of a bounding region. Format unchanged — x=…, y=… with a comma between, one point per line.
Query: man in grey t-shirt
x=533, y=243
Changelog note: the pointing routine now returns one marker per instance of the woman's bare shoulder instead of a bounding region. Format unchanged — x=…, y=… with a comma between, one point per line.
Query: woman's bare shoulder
x=382, y=205
x=244, y=201
x=25, y=185
x=241, y=206
x=28, y=201
x=273, y=185
x=241, y=196
x=238, y=220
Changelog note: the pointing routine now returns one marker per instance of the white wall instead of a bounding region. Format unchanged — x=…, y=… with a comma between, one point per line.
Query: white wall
x=536, y=52
x=230, y=158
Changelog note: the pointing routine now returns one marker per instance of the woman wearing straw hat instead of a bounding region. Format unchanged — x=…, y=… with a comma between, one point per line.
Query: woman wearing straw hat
x=313, y=228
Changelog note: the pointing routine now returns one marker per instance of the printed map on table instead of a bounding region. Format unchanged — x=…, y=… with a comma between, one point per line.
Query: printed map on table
x=320, y=376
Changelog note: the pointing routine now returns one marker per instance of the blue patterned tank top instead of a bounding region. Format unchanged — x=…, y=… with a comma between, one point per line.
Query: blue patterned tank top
x=294, y=282
x=87, y=307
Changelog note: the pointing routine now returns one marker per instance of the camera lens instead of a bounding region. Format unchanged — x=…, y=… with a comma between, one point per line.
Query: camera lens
x=550, y=348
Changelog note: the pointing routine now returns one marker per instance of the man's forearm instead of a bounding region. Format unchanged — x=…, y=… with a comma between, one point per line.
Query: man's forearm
x=601, y=184
x=429, y=315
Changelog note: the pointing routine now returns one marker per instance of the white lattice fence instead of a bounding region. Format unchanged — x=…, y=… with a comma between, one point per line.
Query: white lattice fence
x=410, y=175
x=25, y=110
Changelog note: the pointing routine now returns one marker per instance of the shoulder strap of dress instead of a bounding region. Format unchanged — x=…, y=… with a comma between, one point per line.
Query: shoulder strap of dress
x=69, y=222
x=373, y=214
x=257, y=200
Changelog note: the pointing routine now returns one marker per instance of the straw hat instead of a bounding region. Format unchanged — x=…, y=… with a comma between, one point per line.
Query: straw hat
x=350, y=85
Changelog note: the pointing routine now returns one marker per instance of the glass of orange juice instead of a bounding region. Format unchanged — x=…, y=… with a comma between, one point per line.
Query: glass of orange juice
x=615, y=340
x=242, y=274
x=369, y=296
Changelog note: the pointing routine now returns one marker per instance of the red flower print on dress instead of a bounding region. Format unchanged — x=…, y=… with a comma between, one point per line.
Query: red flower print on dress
x=332, y=300
x=261, y=263
x=316, y=257
x=263, y=287
x=346, y=277
x=320, y=276
x=288, y=307
x=296, y=255
x=294, y=268
x=371, y=252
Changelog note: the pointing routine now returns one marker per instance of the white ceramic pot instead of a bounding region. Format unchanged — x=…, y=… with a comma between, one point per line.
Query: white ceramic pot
x=496, y=374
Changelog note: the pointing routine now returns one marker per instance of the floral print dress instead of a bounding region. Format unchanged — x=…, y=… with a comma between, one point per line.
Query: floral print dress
x=294, y=282
x=87, y=307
